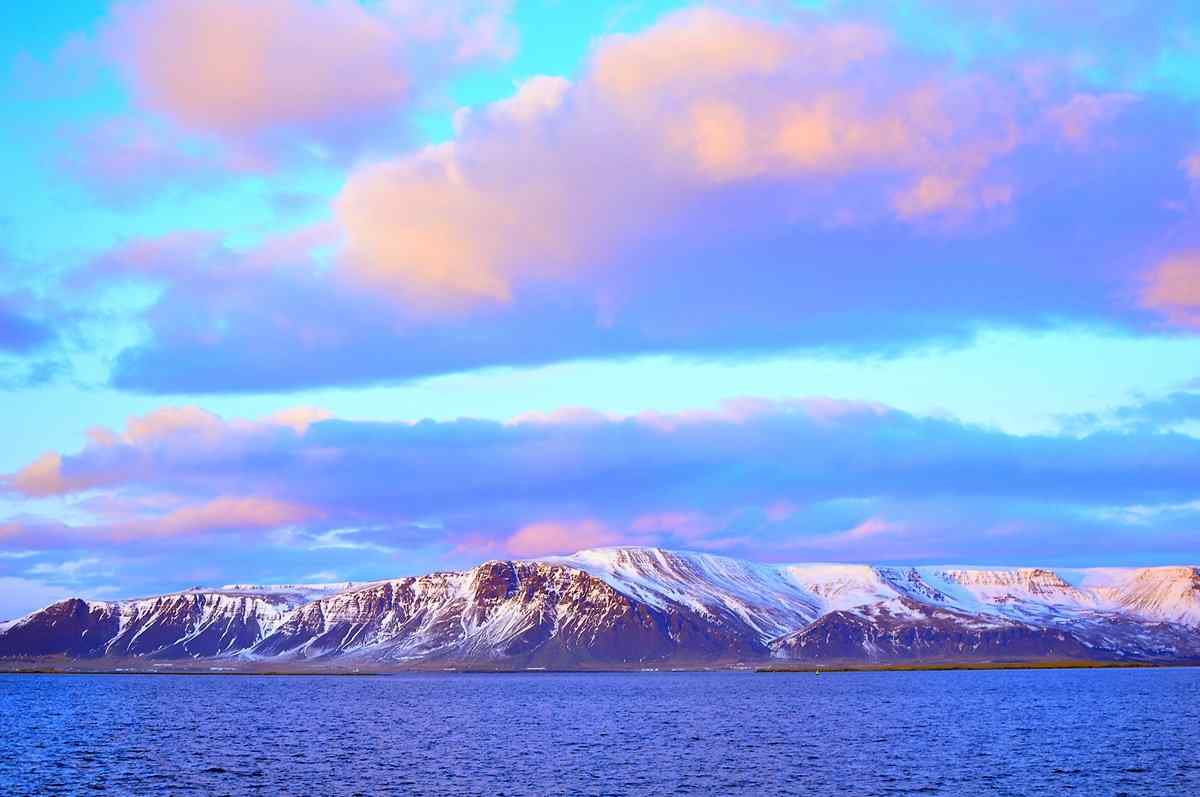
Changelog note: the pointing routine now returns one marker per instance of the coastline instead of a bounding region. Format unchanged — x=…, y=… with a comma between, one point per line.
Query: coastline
x=77, y=668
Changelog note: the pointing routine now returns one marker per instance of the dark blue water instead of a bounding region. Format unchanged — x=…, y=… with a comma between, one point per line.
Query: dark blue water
x=1134, y=732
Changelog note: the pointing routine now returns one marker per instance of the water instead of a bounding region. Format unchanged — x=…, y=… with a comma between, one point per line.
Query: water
x=1110, y=732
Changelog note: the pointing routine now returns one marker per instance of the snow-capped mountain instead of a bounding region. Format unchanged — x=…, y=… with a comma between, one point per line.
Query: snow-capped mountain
x=191, y=624
x=641, y=606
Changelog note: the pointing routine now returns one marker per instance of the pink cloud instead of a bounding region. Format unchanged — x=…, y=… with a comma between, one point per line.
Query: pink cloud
x=539, y=539
x=777, y=478
x=536, y=97
x=1191, y=165
x=334, y=68
x=872, y=539
x=44, y=477
x=781, y=510
x=125, y=159
x=475, y=545
x=547, y=184
x=691, y=526
x=872, y=527
x=122, y=456
x=300, y=418
x=706, y=45
x=563, y=415
x=225, y=513
x=1078, y=118
x=170, y=257
x=100, y=436
x=237, y=68
x=163, y=517
x=1173, y=290
x=747, y=408
x=170, y=421
x=828, y=410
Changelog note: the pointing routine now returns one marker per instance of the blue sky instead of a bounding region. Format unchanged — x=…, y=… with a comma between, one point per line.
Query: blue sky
x=969, y=227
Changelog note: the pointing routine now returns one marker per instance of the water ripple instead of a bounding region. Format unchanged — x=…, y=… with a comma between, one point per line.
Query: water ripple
x=961, y=734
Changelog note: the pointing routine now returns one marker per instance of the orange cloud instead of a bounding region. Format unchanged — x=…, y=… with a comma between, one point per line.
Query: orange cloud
x=171, y=420
x=564, y=415
x=692, y=526
x=299, y=418
x=1173, y=290
x=239, y=69
x=233, y=67
x=781, y=510
x=42, y=477
x=1079, y=116
x=698, y=46
x=746, y=409
x=188, y=424
x=869, y=532
x=539, y=539
x=222, y=514
x=1192, y=166
x=548, y=184
x=536, y=97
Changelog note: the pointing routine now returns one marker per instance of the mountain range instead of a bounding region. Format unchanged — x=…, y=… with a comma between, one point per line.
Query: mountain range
x=640, y=608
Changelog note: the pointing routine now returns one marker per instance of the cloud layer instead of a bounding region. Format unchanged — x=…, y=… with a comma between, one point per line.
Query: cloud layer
x=559, y=175
x=713, y=184
x=237, y=68
x=1173, y=289
x=811, y=478
x=225, y=89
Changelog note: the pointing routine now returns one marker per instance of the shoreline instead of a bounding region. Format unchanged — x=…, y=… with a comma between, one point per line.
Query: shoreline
x=806, y=668
x=971, y=665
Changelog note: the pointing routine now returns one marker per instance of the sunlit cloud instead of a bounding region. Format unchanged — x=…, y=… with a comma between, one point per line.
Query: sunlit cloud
x=1173, y=289
x=540, y=539
x=542, y=184
x=250, y=71
x=773, y=479
x=713, y=184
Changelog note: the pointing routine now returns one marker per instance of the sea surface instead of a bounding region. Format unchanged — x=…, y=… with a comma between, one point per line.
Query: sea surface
x=1020, y=732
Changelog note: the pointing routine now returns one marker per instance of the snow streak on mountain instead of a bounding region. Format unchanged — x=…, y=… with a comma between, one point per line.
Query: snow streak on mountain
x=627, y=607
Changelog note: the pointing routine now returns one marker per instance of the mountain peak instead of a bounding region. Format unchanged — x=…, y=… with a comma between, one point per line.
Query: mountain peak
x=621, y=604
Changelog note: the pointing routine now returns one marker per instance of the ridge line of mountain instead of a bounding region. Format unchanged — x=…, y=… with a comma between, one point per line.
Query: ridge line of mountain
x=627, y=606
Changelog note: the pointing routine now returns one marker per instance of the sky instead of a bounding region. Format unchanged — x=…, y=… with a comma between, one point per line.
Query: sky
x=328, y=290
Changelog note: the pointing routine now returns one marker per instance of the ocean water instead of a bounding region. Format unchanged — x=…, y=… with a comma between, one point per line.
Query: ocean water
x=1099, y=732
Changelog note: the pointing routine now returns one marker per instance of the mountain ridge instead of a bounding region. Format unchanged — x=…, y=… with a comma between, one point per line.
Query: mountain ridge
x=628, y=606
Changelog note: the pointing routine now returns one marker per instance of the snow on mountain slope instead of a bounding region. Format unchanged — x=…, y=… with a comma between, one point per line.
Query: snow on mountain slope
x=626, y=605
x=772, y=598
x=196, y=623
x=537, y=612
x=838, y=586
x=1167, y=594
x=1023, y=607
x=300, y=593
x=1171, y=594
x=1025, y=593
x=767, y=599
x=187, y=624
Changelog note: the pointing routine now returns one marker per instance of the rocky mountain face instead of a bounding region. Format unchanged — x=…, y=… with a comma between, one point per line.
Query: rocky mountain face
x=646, y=607
x=192, y=624
x=535, y=613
